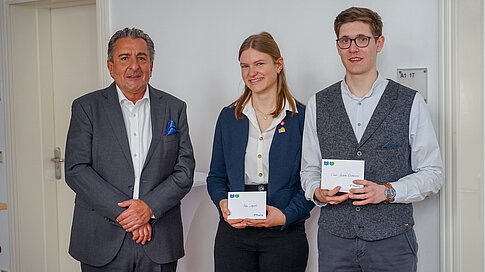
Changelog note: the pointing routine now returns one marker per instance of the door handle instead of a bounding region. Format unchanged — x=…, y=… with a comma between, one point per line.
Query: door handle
x=57, y=161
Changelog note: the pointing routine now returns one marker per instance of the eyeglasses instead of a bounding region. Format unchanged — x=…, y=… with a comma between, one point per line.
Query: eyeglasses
x=360, y=41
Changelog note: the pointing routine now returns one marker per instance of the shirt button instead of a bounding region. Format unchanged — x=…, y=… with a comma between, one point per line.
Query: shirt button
x=134, y=134
x=360, y=104
x=260, y=138
x=259, y=156
x=134, y=114
x=134, y=155
x=357, y=209
x=359, y=153
x=260, y=174
x=358, y=124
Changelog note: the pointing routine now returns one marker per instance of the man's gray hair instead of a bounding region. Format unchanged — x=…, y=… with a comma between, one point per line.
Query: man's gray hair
x=133, y=33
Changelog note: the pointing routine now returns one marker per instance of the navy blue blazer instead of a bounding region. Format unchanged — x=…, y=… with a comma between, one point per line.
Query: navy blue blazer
x=227, y=164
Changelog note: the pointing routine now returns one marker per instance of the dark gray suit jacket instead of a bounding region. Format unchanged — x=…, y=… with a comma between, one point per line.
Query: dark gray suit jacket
x=99, y=170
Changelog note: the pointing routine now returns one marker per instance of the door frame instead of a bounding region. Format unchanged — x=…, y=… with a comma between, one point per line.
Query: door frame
x=447, y=112
x=452, y=22
x=102, y=34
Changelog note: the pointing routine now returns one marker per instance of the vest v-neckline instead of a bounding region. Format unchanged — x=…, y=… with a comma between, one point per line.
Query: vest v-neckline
x=384, y=106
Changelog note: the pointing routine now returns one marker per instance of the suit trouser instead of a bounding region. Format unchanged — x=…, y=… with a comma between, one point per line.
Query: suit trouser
x=260, y=249
x=394, y=254
x=131, y=258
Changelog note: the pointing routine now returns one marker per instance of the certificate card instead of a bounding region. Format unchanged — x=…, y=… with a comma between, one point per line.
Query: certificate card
x=250, y=205
x=341, y=173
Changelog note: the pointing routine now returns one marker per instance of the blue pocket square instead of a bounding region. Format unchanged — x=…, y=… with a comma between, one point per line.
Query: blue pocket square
x=389, y=145
x=171, y=128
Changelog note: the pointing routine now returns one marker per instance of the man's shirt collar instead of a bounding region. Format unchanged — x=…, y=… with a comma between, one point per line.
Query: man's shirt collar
x=376, y=86
x=122, y=97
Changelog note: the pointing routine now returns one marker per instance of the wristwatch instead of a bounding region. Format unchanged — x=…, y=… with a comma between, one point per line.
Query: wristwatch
x=390, y=192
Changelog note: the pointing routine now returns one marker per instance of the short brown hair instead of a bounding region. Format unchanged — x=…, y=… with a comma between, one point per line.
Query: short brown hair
x=359, y=14
x=264, y=43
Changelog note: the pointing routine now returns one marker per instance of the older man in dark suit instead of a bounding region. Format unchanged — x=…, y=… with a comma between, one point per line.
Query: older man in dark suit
x=129, y=160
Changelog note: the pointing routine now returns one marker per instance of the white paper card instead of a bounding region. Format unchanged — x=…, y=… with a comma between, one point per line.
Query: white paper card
x=341, y=173
x=250, y=205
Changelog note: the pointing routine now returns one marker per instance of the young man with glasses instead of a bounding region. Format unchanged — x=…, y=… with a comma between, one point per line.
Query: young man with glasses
x=367, y=117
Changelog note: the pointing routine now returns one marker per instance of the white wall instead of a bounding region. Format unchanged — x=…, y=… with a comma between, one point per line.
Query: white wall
x=4, y=240
x=196, y=46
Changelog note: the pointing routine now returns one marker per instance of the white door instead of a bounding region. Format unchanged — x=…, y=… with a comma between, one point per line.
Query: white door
x=54, y=60
x=75, y=73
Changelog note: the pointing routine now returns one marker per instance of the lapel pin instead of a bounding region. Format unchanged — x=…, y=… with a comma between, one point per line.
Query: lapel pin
x=282, y=129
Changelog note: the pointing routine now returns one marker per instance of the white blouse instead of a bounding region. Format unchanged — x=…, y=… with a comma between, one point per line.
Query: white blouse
x=256, y=161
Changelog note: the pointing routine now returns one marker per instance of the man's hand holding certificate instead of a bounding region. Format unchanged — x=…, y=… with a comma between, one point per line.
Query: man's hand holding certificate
x=341, y=173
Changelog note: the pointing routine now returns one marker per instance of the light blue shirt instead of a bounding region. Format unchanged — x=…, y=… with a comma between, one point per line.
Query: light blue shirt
x=426, y=162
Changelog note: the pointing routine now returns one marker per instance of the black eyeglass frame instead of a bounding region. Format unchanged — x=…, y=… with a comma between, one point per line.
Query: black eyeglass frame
x=353, y=40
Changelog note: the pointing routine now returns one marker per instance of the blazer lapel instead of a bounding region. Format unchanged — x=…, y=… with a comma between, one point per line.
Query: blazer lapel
x=239, y=141
x=158, y=111
x=281, y=146
x=384, y=107
x=115, y=118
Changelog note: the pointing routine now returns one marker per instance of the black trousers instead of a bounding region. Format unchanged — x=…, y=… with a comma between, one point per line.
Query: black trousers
x=260, y=249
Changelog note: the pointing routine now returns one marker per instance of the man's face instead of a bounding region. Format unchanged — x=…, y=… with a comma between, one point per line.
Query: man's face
x=131, y=67
x=359, y=61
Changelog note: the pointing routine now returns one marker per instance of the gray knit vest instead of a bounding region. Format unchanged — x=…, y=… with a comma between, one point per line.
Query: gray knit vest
x=385, y=149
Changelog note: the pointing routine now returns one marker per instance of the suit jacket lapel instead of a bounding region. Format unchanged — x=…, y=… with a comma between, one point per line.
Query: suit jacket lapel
x=384, y=107
x=115, y=118
x=239, y=141
x=281, y=146
x=158, y=111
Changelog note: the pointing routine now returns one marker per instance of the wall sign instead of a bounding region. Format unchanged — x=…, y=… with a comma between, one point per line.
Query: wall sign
x=415, y=78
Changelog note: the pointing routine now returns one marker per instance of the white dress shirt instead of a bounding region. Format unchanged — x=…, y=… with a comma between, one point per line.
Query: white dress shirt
x=139, y=130
x=426, y=162
x=256, y=161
